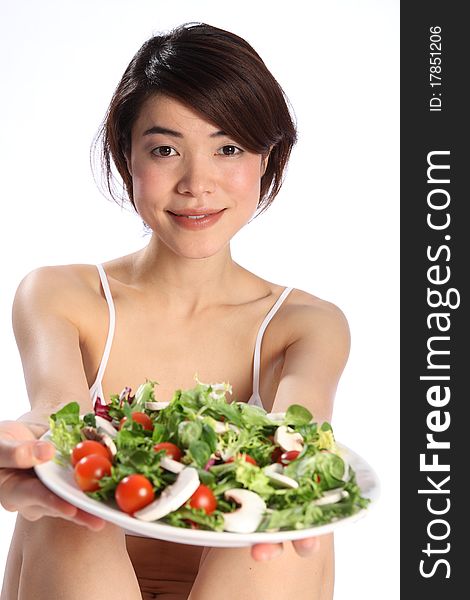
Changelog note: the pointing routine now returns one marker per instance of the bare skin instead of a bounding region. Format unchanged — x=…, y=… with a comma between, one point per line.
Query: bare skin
x=182, y=306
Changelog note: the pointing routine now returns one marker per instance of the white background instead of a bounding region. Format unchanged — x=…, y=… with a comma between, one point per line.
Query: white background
x=333, y=231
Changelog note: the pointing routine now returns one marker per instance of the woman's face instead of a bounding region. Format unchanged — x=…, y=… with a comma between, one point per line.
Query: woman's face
x=184, y=167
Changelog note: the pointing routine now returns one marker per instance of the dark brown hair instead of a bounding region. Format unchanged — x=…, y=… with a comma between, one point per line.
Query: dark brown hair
x=217, y=74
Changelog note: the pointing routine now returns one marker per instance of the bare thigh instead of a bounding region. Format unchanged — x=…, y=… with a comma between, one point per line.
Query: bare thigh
x=54, y=559
x=231, y=574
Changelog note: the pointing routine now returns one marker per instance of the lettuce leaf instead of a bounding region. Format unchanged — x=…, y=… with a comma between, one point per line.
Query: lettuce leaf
x=65, y=430
x=252, y=478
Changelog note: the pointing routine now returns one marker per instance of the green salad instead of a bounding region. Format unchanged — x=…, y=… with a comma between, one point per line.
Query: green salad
x=199, y=461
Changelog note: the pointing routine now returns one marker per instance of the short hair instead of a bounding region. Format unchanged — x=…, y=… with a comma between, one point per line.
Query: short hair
x=217, y=74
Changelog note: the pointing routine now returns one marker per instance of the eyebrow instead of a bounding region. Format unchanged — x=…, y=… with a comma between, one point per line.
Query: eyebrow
x=177, y=134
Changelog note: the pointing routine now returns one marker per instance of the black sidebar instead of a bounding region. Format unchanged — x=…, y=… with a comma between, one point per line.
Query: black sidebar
x=435, y=257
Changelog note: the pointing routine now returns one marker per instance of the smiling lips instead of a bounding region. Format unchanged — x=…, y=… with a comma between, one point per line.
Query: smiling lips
x=195, y=219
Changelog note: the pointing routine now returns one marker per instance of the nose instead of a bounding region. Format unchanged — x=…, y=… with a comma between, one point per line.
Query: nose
x=197, y=176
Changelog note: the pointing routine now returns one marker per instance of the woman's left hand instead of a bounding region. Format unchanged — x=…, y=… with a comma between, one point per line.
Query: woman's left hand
x=305, y=547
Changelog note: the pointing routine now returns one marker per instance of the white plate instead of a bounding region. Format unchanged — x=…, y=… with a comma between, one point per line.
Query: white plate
x=60, y=480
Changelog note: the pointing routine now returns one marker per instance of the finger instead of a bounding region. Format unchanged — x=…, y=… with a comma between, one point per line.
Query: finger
x=15, y=430
x=21, y=489
x=34, y=513
x=27, y=495
x=89, y=520
x=307, y=546
x=263, y=552
x=15, y=454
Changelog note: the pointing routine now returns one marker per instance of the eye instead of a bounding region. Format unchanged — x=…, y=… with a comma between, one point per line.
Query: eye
x=163, y=151
x=231, y=150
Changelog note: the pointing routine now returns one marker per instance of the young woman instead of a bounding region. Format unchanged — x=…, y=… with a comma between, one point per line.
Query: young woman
x=200, y=133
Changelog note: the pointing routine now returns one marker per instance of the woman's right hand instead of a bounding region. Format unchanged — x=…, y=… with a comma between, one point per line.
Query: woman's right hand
x=20, y=489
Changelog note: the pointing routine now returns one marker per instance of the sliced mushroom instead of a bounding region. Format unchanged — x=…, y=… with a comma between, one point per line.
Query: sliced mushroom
x=274, y=473
x=172, y=497
x=156, y=405
x=91, y=433
x=276, y=417
x=222, y=454
x=217, y=426
x=288, y=439
x=108, y=442
x=331, y=497
x=100, y=436
x=221, y=427
x=106, y=426
x=171, y=465
x=247, y=518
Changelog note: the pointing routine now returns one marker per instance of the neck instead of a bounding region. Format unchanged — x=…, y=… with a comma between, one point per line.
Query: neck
x=186, y=285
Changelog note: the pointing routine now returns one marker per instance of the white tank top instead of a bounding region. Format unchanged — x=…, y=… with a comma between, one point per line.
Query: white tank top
x=96, y=389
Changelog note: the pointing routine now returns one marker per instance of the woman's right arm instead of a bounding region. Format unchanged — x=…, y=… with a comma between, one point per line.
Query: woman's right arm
x=48, y=340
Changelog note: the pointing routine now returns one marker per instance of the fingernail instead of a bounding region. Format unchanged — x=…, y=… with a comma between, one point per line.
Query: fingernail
x=307, y=547
x=41, y=451
x=96, y=526
x=270, y=555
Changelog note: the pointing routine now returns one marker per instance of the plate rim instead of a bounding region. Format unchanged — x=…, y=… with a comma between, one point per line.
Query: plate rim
x=51, y=475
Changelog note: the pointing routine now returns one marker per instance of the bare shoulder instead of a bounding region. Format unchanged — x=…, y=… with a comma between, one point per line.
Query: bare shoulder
x=61, y=289
x=308, y=317
x=58, y=280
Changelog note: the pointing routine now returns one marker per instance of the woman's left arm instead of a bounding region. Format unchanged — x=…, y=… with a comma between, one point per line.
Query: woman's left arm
x=314, y=360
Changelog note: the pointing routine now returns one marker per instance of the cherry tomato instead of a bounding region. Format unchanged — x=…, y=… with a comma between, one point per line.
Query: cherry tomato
x=247, y=458
x=203, y=498
x=89, y=470
x=139, y=417
x=171, y=450
x=89, y=447
x=289, y=456
x=133, y=493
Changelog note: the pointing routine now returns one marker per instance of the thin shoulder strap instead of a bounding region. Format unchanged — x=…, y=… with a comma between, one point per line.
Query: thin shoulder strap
x=112, y=323
x=259, y=339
